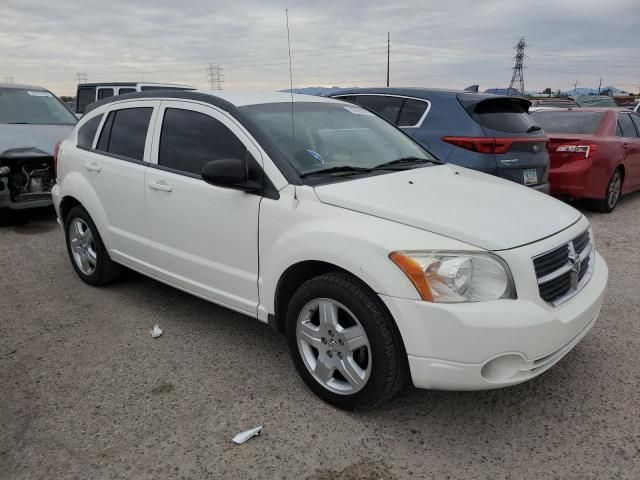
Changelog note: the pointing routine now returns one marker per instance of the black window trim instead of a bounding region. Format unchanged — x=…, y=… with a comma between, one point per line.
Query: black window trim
x=403, y=97
x=86, y=120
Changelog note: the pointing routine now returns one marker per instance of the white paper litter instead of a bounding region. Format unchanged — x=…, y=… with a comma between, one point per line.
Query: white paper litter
x=244, y=436
x=156, y=332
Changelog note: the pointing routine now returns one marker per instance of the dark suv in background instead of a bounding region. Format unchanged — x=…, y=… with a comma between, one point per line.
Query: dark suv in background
x=490, y=133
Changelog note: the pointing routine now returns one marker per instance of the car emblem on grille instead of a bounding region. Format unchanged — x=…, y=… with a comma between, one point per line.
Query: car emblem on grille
x=535, y=148
x=574, y=258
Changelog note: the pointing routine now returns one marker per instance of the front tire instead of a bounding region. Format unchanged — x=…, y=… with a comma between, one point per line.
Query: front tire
x=344, y=343
x=614, y=190
x=87, y=253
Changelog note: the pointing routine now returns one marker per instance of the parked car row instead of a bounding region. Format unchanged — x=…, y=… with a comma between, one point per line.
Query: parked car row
x=376, y=260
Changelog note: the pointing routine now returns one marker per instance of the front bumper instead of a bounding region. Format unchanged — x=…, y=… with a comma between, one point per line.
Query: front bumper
x=485, y=345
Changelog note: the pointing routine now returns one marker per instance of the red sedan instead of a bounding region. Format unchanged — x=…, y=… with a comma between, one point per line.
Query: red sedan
x=594, y=153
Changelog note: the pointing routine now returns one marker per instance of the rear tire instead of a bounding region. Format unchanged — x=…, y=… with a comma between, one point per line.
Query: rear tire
x=87, y=253
x=354, y=358
x=614, y=190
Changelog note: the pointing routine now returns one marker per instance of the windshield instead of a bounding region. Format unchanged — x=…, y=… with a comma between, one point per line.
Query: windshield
x=39, y=107
x=568, y=121
x=333, y=136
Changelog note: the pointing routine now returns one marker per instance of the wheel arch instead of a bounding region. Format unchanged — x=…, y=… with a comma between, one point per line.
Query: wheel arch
x=298, y=273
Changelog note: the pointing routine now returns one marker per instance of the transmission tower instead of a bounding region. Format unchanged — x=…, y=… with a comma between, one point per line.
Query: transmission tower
x=82, y=77
x=518, y=69
x=214, y=74
x=8, y=79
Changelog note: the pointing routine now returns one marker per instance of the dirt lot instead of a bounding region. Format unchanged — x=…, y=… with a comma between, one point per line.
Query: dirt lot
x=85, y=392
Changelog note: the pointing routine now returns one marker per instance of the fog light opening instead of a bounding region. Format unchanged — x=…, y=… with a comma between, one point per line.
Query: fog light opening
x=503, y=368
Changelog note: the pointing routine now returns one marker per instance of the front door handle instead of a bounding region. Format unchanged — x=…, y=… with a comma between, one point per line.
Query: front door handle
x=93, y=166
x=160, y=185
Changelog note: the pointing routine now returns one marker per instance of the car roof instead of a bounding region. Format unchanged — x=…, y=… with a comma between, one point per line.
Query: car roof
x=133, y=84
x=21, y=87
x=417, y=92
x=220, y=98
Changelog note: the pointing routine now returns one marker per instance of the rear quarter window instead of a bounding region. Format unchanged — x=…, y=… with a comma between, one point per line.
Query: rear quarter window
x=87, y=132
x=503, y=115
x=568, y=121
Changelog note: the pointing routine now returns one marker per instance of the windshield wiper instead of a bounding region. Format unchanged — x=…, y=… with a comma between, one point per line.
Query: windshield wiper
x=402, y=161
x=342, y=169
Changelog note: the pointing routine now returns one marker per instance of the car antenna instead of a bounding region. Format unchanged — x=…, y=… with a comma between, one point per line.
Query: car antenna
x=293, y=128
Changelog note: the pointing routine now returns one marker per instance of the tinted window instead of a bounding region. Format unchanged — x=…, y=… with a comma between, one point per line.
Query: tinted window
x=86, y=95
x=87, y=132
x=122, y=91
x=626, y=125
x=636, y=121
x=33, y=107
x=412, y=111
x=125, y=132
x=105, y=93
x=568, y=122
x=503, y=115
x=386, y=107
x=189, y=140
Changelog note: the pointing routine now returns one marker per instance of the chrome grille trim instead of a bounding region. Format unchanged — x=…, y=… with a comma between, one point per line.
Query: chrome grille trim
x=570, y=273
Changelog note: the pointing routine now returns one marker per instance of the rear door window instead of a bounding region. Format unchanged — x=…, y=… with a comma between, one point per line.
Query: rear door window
x=568, y=122
x=503, y=115
x=189, y=140
x=626, y=125
x=125, y=132
x=86, y=96
x=386, y=107
x=636, y=121
x=87, y=132
x=105, y=93
x=412, y=111
x=122, y=91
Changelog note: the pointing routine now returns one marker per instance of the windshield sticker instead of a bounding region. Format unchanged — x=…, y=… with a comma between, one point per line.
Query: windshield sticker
x=39, y=94
x=359, y=111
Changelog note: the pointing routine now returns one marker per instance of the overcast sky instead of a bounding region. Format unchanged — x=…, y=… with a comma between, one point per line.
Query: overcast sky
x=446, y=43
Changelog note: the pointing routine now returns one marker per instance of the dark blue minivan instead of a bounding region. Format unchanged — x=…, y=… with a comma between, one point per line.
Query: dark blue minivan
x=490, y=133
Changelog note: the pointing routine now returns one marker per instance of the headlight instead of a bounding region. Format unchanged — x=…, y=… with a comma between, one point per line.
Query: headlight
x=453, y=277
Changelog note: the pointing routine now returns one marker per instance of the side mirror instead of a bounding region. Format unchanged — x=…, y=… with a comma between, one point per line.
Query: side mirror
x=229, y=173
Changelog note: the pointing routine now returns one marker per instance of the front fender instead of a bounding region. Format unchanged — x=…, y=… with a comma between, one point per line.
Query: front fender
x=296, y=231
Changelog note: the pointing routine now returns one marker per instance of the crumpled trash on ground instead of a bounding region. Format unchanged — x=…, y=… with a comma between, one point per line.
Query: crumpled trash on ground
x=156, y=332
x=246, y=435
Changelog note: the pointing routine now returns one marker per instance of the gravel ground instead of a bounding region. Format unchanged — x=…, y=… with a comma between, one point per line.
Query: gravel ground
x=85, y=392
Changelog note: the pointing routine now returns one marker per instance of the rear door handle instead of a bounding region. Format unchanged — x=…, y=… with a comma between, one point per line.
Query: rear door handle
x=160, y=185
x=93, y=166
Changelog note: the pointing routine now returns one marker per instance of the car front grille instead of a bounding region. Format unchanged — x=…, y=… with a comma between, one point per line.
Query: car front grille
x=563, y=271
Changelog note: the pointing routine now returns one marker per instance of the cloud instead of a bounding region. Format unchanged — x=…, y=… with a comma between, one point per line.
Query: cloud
x=447, y=44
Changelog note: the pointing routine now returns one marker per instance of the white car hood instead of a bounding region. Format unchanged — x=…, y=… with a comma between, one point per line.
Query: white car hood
x=463, y=204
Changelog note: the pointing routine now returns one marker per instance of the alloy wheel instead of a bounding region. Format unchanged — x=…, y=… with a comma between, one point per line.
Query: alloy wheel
x=614, y=190
x=334, y=346
x=83, y=246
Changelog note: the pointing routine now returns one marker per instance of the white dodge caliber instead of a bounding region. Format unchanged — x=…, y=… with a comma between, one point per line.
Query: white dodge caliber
x=320, y=218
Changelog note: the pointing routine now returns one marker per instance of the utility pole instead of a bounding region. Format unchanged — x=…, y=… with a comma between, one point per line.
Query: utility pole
x=518, y=68
x=388, y=54
x=600, y=86
x=82, y=77
x=8, y=79
x=214, y=73
x=575, y=88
